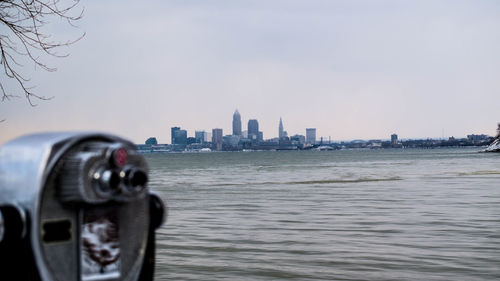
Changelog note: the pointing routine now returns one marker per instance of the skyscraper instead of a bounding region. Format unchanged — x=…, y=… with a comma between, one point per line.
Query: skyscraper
x=217, y=139
x=173, y=130
x=311, y=135
x=236, y=123
x=253, y=129
x=281, y=134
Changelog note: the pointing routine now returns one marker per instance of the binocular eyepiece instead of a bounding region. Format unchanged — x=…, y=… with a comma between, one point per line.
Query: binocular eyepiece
x=76, y=207
x=105, y=172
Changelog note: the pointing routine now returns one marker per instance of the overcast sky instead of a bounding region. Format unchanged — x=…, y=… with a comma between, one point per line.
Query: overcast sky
x=351, y=69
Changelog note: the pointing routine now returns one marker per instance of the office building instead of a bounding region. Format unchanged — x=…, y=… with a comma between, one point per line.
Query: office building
x=217, y=139
x=180, y=137
x=172, y=133
x=311, y=135
x=200, y=136
x=394, y=139
x=236, y=123
x=253, y=129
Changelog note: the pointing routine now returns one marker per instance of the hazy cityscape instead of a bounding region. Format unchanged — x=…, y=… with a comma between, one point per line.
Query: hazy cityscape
x=253, y=139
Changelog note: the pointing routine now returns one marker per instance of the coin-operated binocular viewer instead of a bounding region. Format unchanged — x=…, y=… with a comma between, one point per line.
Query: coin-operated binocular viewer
x=76, y=207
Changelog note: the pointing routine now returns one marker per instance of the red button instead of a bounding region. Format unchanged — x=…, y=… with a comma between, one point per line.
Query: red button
x=121, y=157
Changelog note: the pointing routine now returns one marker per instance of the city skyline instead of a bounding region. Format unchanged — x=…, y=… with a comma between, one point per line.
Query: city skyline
x=350, y=69
x=179, y=136
x=310, y=134
x=252, y=139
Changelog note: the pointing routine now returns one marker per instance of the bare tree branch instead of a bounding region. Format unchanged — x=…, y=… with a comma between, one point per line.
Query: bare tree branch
x=24, y=36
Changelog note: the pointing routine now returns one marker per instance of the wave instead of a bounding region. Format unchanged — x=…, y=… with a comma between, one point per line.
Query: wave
x=479, y=173
x=345, y=180
x=328, y=181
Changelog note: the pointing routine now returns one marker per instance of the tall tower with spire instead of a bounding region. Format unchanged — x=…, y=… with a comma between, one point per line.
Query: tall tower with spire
x=236, y=123
x=281, y=133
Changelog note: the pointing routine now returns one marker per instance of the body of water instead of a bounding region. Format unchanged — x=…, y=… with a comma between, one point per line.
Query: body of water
x=391, y=214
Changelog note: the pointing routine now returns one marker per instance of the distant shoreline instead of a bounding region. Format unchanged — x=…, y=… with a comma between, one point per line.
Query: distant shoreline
x=480, y=148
